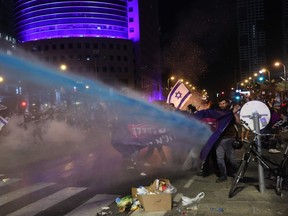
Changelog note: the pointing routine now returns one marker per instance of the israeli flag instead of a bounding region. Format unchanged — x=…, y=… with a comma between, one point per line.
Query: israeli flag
x=178, y=95
x=3, y=122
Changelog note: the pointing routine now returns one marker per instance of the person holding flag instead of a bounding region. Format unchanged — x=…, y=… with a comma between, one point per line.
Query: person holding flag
x=224, y=148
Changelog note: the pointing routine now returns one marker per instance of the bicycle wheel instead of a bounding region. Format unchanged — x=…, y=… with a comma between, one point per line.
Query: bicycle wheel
x=240, y=173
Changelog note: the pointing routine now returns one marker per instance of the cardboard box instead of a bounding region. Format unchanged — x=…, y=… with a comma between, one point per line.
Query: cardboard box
x=154, y=202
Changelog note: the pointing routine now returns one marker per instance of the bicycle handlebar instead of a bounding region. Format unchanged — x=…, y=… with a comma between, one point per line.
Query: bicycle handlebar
x=249, y=116
x=254, y=131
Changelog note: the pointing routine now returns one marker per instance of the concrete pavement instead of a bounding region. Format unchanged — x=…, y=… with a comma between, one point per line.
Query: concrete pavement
x=247, y=201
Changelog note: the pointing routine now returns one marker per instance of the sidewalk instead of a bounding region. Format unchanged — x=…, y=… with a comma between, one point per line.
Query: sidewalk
x=248, y=200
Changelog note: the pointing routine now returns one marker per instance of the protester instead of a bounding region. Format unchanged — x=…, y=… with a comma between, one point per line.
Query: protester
x=224, y=144
x=271, y=128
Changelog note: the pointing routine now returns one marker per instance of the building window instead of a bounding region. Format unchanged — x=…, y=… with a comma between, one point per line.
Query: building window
x=130, y=9
x=131, y=19
x=70, y=46
x=95, y=46
x=118, y=58
x=62, y=46
x=111, y=46
x=125, y=47
x=79, y=45
x=46, y=47
x=103, y=46
x=125, y=58
x=104, y=69
x=87, y=45
x=243, y=40
x=111, y=58
x=242, y=13
x=244, y=64
x=54, y=47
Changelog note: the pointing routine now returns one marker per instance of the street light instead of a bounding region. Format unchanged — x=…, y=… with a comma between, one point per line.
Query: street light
x=63, y=67
x=168, y=81
x=285, y=78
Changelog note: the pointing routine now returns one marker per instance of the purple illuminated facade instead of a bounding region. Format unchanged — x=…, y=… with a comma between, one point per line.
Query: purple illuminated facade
x=101, y=38
x=38, y=20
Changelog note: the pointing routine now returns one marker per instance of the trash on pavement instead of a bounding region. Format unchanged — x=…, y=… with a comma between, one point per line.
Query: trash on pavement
x=124, y=204
x=190, y=204
x=156, y=197
x=221, y=210
x=105, y=211
x=192, y=201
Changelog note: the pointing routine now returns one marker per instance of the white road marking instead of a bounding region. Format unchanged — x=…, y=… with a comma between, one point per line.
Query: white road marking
x=189, y=182
x=93, y=205
x=7, y=181
x=5, y=198
x=47, y=202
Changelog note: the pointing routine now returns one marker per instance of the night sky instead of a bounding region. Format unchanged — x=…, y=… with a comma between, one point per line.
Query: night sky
x=199, y=41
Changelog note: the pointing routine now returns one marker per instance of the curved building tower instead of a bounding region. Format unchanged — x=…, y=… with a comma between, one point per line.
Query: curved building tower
x=42, y=19
x=98, y=38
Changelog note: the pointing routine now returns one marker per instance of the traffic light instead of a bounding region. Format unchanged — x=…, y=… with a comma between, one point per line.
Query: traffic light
x=23, y=104
x=237, y=97
x=260, y=78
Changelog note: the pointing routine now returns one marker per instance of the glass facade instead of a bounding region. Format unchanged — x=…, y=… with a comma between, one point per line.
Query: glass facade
x=46, y=19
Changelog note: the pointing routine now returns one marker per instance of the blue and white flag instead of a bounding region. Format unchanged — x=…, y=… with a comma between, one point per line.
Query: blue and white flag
x=3, y=122
x=179, y=95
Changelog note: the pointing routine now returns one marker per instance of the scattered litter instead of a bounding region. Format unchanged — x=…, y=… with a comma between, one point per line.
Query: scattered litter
x=190, y=204
x=192, y=201
x=105, y=211
x=5, y=179
x=155, y=197
x=124, y=204
x=130, y=167
x=220, y=210
x=143, y=174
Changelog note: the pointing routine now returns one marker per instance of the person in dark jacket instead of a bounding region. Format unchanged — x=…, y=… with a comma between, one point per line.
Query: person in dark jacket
x=224, y=148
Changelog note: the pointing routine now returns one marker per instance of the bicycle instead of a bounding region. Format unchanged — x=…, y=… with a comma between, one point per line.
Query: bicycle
x=278, y=170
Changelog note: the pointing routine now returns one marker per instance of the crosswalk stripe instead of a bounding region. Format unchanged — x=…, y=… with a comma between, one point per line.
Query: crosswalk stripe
x=188, y=184
x=93, y=205
x=8, y=181
x=47, y=202
x=21, y=192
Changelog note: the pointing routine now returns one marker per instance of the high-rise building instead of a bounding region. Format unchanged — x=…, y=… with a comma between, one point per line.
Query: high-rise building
x=285, y=30
x=116, y=41
x=263, y=36
x=7, y=37
x=252, y=36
